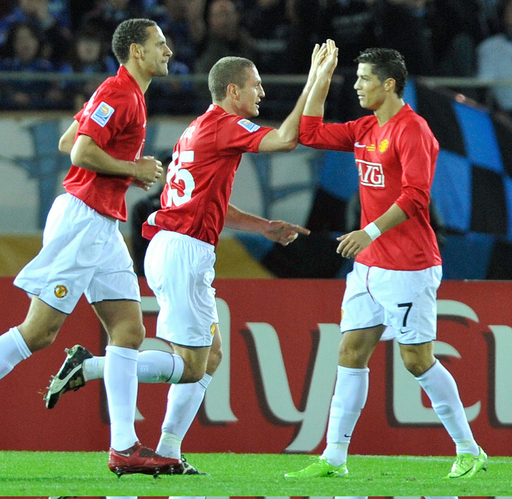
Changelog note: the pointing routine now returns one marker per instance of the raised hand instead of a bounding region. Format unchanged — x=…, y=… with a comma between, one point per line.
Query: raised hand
x=329, y=61
x=318, y=55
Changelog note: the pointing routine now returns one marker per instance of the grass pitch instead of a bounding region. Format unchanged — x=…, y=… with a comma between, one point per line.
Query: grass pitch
x=86, y=474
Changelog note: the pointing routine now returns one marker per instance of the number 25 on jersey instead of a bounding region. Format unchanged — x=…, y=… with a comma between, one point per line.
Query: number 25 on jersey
x=180, y=180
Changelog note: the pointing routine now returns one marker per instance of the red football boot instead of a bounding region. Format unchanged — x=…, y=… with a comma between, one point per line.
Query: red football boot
x=140, y=459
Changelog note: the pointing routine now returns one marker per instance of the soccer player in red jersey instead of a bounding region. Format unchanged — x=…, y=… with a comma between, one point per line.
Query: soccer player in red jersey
x=83, y=250
x=397, y=270
x=179, y=263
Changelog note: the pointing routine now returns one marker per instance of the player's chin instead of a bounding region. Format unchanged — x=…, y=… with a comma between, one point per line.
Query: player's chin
x=162, y=71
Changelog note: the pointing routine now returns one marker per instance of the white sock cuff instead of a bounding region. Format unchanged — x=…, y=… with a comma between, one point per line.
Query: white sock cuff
x=353, y=371
x=20, y=343
x=127, y=353
x=205, y=381
x=177, y=371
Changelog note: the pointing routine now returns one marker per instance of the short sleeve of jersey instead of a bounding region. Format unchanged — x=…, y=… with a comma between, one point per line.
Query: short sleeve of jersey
x=236, y=134
x=78, y=116
x=103, y=115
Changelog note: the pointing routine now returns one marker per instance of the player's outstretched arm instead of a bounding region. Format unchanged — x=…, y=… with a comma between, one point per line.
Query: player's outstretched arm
x=275, y=230
x=286, y=137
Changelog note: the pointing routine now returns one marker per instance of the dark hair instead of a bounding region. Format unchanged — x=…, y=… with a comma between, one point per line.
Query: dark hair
x=225, y=71
x=387, y=63
x=128, y=32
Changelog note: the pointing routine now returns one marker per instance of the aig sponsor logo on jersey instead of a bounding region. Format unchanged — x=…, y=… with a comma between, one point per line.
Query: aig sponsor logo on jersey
x=371, y=174
x=102, y=114
x=248, y=125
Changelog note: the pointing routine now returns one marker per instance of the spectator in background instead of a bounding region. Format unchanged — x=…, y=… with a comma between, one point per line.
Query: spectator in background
x=401, y=25
x=493, y=56
x=172, y=96
x=490, y=16
x=269, y=28
x=57, y=34
x=89, y=54
x=108, y=14
x=183, y=20
x=223, y=37
x=23, y=51
x=457, y=27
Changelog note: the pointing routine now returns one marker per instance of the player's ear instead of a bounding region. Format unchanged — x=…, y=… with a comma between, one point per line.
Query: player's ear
x=389, y=85
x=232, y=91
x=136, y=51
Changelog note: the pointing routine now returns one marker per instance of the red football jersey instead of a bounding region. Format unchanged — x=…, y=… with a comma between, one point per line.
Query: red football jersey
x=200, y=177
x=396, y=164
x=115, y=118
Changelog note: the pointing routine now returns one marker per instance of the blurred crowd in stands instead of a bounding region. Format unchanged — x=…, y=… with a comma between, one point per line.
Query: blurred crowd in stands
x=460, y=38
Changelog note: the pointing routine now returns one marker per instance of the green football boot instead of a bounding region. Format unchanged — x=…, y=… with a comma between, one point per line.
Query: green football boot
x=320, y=468
x=467, y=465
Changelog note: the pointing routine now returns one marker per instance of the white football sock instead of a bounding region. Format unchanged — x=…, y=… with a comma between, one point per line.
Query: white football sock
x=442, y=390
x=350, y=394
x=13, y=350
x=93, y=368
x=153, y=366
x=183, y=402
x=121, y=386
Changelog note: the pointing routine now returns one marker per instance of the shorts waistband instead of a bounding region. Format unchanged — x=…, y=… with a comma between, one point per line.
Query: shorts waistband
x=178, y=235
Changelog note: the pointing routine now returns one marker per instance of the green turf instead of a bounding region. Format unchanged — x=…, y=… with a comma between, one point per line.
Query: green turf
x=86, y=474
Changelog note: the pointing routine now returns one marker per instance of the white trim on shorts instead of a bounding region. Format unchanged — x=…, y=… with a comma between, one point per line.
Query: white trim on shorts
x=83, y=252
x=402, y=300
x=180, y=270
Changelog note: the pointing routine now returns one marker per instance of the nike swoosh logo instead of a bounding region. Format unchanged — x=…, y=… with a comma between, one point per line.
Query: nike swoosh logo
x=123, y=454
x=357, y=144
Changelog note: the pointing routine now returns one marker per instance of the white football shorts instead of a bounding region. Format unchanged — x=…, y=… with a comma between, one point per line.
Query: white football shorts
x=180, y=270
x=402, y=300
x=83, y=252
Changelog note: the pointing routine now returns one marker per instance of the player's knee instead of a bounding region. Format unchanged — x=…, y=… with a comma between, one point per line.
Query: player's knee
x=214, y=360
x=416, y=366
x=192, y=373
x=38, y=338
x=416, y=361
x=129, y=336
x=351, y=356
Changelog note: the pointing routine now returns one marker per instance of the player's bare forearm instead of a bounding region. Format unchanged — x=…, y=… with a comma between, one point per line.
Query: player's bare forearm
x=67, y=139
x=286, y=137
x=87, y=154
x=290, y=126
